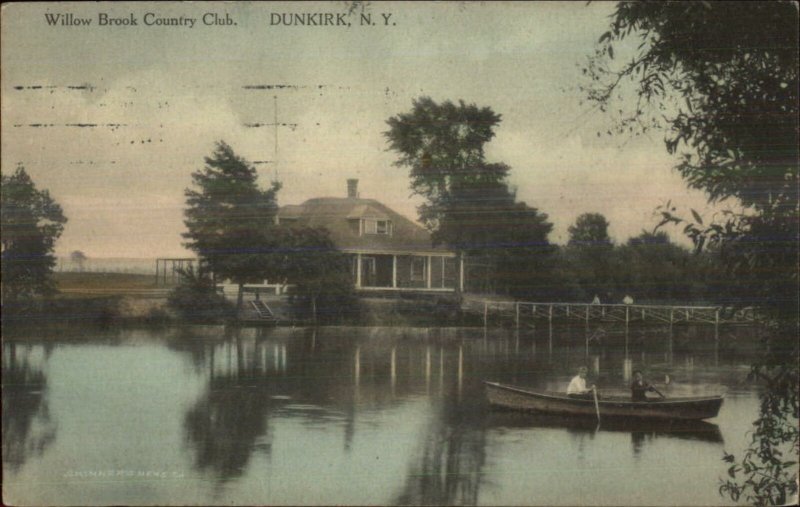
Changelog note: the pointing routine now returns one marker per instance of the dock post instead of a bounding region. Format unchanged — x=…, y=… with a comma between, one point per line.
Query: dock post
x=393, y=366
x=357, y=368
x=485, y=313
x=517, y=317
x=550, y=315
x=428, y=368
x=586, y=336
x=587, y=315
x=716, y=322
x=626, y=340
x=627, y=317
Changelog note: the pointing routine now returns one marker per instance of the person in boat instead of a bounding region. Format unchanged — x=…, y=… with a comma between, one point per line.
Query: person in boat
x=577, y=386
x=639, y=387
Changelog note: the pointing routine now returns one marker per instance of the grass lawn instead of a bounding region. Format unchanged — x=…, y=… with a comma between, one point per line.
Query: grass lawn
x=89, y=282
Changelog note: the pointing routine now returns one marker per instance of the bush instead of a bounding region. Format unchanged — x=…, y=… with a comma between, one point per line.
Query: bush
x=195, y=299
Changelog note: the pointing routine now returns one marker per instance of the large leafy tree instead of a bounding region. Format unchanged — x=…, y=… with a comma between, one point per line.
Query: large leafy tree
x=32, y=221
x=589, y=230
x=468, y=203
x=231, y=221
x=320, y=274
x=652, y=268
x=589, y=252
x=442, y=145
x=721, y=78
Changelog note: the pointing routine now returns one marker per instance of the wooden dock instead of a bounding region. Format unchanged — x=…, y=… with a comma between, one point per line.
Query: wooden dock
x=525, y=313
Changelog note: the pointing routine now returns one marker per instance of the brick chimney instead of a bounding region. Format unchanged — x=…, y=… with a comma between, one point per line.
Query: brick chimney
x=352, y=188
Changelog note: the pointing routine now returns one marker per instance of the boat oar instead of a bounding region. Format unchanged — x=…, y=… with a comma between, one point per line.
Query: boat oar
x=657, y=391
x=596, y=404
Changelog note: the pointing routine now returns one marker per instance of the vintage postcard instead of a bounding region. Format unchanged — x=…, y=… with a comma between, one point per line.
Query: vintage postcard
x=399, y=253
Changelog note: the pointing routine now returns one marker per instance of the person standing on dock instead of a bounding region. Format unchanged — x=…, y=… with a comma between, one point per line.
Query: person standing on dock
x=577, y=386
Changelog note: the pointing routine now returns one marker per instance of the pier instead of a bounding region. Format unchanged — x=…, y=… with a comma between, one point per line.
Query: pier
x=523, y=313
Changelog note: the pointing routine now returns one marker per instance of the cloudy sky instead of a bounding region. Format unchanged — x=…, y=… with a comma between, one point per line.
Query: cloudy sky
x=113, y=119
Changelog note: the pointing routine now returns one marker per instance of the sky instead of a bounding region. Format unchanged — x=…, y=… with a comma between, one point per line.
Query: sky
x=113, y=119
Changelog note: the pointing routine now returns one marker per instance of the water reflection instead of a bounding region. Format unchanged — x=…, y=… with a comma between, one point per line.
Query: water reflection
x=280, y=403
x=447, y=467
x=28, y=428
x=686, y=430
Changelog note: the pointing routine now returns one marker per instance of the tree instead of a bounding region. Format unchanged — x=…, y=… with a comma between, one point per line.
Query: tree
x=468, y=203
x=725, y=89
x=652, y=268
x=32, y=221
x=590, y=252
x=319, y=273
x=443, y=147
x=78, y=257
x=231, y=221
x=589, y=229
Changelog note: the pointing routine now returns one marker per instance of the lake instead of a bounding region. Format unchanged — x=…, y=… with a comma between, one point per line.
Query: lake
x=345, y=415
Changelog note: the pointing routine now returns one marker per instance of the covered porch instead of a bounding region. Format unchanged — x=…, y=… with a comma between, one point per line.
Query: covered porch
x=442, y=272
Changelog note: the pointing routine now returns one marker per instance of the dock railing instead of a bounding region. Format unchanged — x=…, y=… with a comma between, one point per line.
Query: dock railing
x=522, y=311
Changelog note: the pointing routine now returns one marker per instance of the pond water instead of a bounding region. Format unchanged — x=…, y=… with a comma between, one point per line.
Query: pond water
x=205, y=415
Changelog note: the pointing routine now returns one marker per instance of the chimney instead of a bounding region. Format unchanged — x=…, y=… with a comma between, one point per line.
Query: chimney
x=352, y=188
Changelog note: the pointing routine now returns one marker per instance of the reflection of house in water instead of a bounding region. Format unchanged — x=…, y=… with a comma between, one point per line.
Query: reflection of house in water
x=389, y=252
x=27, y=426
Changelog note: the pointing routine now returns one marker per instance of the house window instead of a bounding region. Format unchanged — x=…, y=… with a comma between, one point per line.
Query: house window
x=369, y=265
x=418, y=269
x=383, y=227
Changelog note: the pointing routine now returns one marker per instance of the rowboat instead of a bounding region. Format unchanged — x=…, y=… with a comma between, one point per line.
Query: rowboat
x=688, y=408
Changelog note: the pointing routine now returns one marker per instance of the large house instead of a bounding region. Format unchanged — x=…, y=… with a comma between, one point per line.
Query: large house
x=389, y=252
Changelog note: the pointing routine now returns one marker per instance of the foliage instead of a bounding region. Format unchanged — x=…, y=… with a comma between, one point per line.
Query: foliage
x=195, y=299
x=590, y=229
x=468, y=204
x=721, y=78
x=443, y=146
x=32, y=222
x=78, y=257
x=318, y=272
x=655, y=268
x=724, y=87
x=505, y=240
x=589, y=254
x=231, y=221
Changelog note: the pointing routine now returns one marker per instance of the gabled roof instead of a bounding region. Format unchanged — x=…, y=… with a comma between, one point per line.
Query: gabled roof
x=337, y=214
x=367, y=211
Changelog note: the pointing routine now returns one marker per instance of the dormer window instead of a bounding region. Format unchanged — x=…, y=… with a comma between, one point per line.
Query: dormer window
x=382, y=227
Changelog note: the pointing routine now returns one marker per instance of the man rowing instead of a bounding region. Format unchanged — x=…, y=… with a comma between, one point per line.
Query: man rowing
x=639, y=387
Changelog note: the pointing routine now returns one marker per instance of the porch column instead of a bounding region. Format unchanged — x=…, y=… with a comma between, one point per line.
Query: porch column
x=394, y=271
x=461, y=272
x=429, y=271
x=358, y=271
